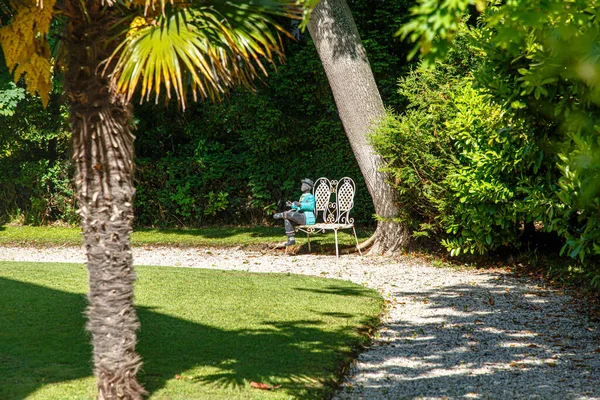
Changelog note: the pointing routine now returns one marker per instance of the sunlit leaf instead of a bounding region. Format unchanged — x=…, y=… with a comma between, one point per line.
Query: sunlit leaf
x=25, y=45
x=203, y=49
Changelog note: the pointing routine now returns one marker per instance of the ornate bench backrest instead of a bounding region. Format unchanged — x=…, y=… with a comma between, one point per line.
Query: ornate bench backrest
x=334, y=200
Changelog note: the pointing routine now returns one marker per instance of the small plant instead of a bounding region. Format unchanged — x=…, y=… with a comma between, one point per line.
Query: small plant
x=216, y=202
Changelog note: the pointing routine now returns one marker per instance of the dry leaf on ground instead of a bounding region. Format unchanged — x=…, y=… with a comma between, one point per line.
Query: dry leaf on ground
x=263, y=386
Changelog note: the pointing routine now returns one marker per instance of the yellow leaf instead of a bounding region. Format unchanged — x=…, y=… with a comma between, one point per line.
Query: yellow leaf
x=25, y=45
x=137, y=24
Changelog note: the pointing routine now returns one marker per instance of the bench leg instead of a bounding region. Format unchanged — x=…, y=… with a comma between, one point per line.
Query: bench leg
x=308, y=238
x=356, y=238
x=337, y=254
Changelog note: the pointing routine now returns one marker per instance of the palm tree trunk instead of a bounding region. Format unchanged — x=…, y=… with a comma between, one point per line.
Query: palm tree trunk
x=102, y=125
x=359, y=104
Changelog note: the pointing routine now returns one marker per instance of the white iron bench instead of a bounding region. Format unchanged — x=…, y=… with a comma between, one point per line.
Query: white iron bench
x=333, y=202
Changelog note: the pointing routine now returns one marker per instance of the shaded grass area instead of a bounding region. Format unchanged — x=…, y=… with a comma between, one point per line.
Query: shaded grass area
x=227, y=236
x=205, y=334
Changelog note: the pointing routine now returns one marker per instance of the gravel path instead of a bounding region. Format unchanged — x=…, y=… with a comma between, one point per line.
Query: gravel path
x=449, y=333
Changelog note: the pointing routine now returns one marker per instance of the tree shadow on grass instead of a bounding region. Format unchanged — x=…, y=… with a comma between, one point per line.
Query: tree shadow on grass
x=42, y=338
x=291, y=353
x=42, y=341
x=339, y=290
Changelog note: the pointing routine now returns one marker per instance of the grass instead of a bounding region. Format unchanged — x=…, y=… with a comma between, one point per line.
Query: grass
x=205, y=334
x=227, y=236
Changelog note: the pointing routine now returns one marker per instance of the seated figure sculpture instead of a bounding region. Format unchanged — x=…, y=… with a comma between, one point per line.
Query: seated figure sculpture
x=301, y=213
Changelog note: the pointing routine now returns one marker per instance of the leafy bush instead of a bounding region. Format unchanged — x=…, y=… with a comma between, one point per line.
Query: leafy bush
x=418, y=152
x=417, y=146
x=546, y=76
x=35, y=171
x=487, y=154
x=37, y=192
x=234, y=162
x=464, y=172
x=580, y=194
x=503, y=181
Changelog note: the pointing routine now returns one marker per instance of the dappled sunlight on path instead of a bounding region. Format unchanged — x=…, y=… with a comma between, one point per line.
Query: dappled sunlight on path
x=480, y=336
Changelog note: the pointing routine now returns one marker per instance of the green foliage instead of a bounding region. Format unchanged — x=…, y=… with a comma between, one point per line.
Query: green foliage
x=580, y=193
x=377, y=22
x=35, y=171
x=417, y=150
x=503, y=181
x=51, y=195
x=434, y=25
x=256, y=147
x=541, y=67
x=463, y=171
x=250, y=152
x=458, y=170
x=39, y=193
x=10, y=94
x=216, y=202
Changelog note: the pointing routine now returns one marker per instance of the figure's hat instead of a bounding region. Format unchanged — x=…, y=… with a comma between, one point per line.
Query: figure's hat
x=308, y=182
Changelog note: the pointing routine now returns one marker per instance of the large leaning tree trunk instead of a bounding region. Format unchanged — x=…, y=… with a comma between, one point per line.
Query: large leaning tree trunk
x=360, y=107
x=102, y=125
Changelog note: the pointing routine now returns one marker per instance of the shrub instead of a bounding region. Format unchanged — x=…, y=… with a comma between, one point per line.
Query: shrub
x=463, y=171
x=503, y=181
x=483, y=157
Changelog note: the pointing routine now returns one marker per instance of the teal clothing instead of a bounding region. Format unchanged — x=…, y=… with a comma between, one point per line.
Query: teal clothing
x=307, y=206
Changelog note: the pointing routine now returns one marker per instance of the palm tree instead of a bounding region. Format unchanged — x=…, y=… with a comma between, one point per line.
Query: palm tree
x=106, y=51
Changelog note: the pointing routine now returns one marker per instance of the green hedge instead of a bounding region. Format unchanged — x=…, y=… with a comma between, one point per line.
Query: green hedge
x=478, y=177
x=233, y=162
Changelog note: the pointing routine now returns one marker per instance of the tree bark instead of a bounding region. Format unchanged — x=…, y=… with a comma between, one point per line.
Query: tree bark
x=360, y=107
x=102, y=125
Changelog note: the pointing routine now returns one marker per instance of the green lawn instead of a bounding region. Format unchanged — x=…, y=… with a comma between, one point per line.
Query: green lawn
x=228, y=236
x=205, y=334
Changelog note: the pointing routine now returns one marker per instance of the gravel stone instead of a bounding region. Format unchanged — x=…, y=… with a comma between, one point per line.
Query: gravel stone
x=448, y=333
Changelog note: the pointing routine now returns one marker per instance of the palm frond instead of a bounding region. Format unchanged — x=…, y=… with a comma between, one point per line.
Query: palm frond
x=273, y=7
x=206, y=49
